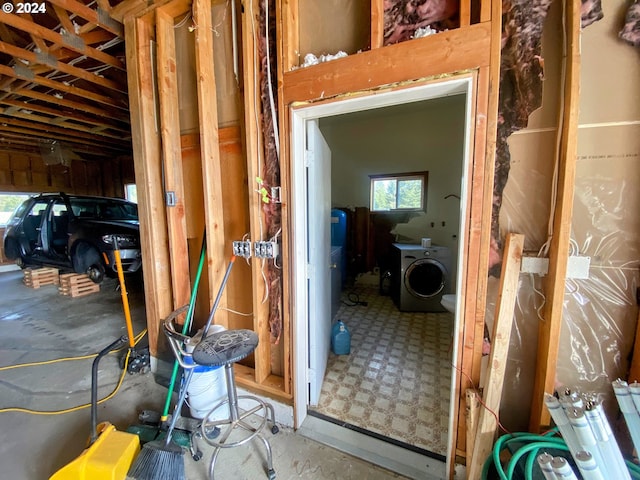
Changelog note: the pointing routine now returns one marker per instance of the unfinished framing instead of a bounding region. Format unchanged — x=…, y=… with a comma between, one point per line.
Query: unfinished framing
x=214, y=186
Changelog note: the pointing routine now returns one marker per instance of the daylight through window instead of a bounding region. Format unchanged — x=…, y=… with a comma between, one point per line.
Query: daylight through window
x=402, y=191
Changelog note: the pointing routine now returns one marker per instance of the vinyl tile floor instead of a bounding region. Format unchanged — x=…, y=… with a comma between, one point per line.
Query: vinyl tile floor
x=396, y=380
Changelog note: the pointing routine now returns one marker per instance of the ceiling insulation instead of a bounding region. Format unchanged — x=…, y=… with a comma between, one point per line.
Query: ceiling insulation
x=63, y=79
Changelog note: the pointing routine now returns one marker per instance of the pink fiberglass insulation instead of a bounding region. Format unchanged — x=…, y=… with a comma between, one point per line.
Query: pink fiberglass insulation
x=403, y=17
x=521, y=75
x=270, y=169
x=630, y=33
x=590, y=12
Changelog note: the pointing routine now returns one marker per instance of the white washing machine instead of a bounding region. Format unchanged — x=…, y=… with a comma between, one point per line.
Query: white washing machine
x=420, y=278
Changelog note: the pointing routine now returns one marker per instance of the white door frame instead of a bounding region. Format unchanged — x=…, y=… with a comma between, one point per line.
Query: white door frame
x=299, y=116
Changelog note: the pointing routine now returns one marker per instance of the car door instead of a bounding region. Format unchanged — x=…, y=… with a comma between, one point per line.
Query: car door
x=33, y=222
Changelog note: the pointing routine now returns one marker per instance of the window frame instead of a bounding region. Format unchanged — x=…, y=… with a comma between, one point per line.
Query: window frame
x=423, y=176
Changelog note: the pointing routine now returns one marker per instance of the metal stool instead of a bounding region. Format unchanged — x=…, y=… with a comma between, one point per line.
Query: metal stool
x=223, y=349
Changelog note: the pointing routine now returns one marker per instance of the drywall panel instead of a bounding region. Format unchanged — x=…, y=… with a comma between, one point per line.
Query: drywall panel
x=527, y=196
x=331, y=26
x=610, y=70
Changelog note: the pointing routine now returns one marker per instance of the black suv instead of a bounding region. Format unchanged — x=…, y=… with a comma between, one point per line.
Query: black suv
x=75, y=232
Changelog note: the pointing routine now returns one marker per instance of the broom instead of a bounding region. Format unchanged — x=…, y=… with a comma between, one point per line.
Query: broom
x=161, y=459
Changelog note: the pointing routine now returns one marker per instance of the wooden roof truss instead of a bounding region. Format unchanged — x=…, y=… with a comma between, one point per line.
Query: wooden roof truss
x=63, y=79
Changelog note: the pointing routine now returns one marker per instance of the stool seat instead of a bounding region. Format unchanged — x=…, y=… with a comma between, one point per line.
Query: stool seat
x=222, y=348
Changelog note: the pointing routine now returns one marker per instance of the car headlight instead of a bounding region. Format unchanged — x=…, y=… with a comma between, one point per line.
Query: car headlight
x=123, y=240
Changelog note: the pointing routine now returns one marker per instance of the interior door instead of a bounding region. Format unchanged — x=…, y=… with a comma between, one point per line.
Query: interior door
x=319, y=256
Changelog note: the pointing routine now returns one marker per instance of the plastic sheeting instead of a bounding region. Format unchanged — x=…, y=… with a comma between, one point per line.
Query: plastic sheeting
x=600, y=313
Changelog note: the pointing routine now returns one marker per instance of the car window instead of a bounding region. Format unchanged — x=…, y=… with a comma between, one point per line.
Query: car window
x=59, y=209
x=104, y=209
x=38, y=208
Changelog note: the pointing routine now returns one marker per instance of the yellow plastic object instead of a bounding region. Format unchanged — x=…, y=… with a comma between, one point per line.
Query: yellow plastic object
x=109, y=458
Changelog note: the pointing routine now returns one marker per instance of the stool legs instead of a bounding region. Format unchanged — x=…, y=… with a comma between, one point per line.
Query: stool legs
x=236, y=420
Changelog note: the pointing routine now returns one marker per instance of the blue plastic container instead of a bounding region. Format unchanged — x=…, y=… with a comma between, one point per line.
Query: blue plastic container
x=339, y=238
x=340, y=339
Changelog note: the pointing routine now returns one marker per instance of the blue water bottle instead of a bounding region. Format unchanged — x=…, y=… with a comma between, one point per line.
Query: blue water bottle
x=340, y=339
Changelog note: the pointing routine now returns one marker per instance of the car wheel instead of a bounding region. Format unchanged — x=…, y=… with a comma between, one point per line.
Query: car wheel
x=86, y=259
x=96, y=273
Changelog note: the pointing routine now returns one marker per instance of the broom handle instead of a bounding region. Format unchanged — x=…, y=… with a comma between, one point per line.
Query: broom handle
x=187, y=380
x=186, y=326
x=176, y=412
x=218, y=297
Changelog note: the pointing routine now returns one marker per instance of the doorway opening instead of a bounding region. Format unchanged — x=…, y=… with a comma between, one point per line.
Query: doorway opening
x=397, y=382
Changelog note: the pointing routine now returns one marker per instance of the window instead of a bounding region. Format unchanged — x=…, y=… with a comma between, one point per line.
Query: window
x=399, y=191
x=131, y=192
x=8, y=204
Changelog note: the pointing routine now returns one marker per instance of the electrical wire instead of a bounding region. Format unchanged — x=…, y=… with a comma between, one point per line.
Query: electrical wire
x=354, y=300
x=83, y=357
x=554, y=183
x=495, y=415
x=236, y=312
x=276, y=135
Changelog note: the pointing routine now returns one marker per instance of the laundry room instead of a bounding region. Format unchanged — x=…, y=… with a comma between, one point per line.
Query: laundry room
x=396, y=185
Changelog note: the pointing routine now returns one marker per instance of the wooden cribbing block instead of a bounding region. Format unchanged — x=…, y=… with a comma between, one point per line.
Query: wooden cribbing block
x=37, y=277
x=77, y=285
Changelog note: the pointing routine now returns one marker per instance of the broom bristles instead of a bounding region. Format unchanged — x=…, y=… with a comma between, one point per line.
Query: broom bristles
x=158, y=461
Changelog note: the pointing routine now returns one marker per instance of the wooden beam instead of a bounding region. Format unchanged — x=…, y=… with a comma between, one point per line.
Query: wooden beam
x=451, y=51
x=172, y=158
x=285, y=182
x=63, y=102
x=465, y=13
x=219, y=251
x=89, y=122
x=377, y=23
x=72, y=42
x=9, y=140
x=473, y=413
x=52, y=128
x=44, y=124
x=34, y=59
x=91, y=16
x=503, y=322
x=554, y=285
x=63, y=87
x=147, y=161
x=254, y=158
x=480, y=204
x=63, y=17
x=288, y=18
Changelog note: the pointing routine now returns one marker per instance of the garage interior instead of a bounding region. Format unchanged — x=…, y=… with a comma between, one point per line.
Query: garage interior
x=197, y=104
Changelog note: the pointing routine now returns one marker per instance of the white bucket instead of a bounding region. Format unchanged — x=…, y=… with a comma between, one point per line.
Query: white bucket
x=207, y=388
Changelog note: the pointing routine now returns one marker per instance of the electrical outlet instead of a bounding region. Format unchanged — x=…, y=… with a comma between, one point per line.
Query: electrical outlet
x=265, y=249
x=242, y=249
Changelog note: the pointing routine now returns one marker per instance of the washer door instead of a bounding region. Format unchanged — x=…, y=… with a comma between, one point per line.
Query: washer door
x=425, y=278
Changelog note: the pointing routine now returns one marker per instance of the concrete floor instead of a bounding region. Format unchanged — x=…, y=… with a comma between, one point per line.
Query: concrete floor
x=40, y=325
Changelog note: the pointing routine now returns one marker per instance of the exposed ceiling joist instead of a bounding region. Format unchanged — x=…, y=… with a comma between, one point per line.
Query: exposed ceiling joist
x=63, y=78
